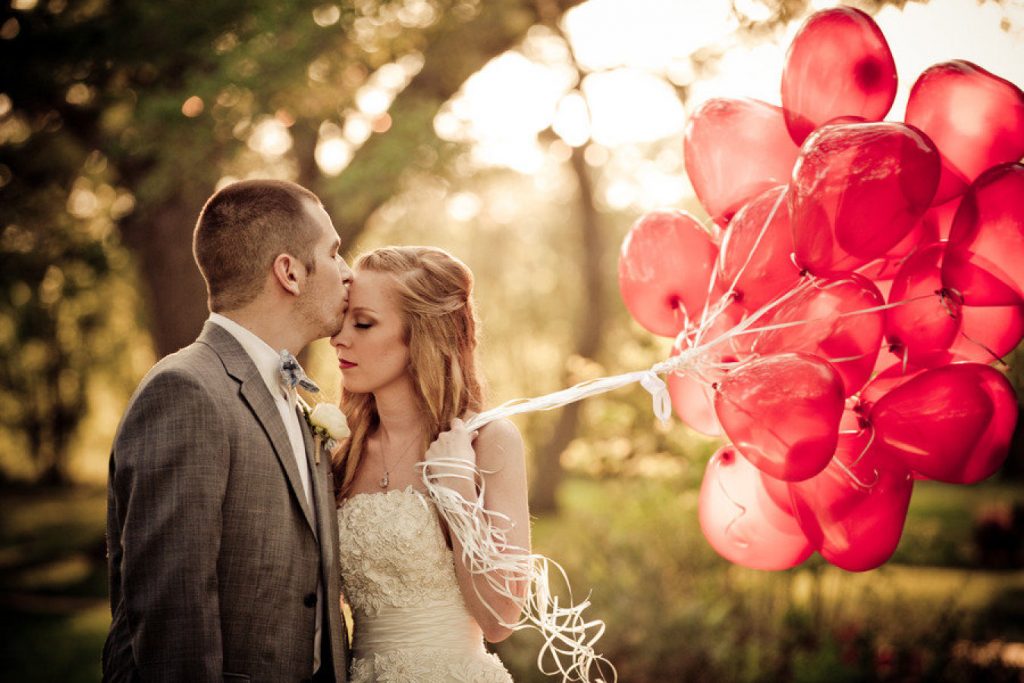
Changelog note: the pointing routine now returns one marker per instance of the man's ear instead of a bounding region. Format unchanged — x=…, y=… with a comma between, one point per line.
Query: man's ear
x=289, y=273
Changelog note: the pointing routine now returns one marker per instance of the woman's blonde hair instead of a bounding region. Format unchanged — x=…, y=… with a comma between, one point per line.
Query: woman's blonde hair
x=433, y=290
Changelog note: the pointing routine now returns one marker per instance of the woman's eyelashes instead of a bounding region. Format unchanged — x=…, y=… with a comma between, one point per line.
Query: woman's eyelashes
x=363, y=326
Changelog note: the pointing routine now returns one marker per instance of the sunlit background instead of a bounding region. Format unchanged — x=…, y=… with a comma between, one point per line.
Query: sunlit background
x=525, y=136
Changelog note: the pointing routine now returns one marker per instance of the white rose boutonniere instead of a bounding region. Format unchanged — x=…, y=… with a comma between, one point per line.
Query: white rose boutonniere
x=328, y=424
x=329, y=419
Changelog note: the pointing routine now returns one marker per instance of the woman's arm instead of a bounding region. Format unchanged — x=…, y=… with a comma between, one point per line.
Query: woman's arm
x=498, y=455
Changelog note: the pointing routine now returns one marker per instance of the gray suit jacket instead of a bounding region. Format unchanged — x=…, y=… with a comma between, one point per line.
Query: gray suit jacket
x=214, y=552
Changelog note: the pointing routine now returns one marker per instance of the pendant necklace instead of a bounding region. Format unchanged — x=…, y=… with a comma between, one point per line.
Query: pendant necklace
x=385, y=480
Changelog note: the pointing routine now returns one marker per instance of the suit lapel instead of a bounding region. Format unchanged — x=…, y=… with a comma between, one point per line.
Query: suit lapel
x=314, y=472
x=254, y=392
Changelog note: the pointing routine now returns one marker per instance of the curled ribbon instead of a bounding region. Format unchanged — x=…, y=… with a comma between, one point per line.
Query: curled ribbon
x=659, y=394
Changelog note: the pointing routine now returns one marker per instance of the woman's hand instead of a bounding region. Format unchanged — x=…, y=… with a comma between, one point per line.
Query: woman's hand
x=456, y=443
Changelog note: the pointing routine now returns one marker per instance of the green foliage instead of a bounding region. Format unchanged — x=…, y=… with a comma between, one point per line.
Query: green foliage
x=53, y=615
x=66, y=313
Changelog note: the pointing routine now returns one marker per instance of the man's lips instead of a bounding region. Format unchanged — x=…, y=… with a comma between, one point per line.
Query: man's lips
x=346, y=364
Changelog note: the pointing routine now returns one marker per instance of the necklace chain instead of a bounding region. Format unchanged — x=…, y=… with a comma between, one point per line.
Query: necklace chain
x=386, y=479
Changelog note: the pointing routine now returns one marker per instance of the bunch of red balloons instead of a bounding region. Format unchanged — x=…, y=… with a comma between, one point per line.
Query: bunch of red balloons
x=839, y=320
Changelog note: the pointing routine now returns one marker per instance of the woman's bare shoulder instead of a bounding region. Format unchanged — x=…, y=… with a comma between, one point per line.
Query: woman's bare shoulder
x=498, y=443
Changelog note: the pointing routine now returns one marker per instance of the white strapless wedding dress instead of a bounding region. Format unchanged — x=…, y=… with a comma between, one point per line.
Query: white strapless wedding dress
x=411, y=623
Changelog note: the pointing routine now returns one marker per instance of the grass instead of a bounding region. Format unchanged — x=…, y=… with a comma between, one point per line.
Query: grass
x=674, y=609
x=52, y=584
x=942, y=519
x=42, y=646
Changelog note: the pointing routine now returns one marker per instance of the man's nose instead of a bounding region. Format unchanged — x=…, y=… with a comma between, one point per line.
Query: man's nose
x=340, y=340
x=346, y=273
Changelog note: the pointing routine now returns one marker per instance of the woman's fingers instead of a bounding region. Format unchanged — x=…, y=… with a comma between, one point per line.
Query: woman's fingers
x=457, y=442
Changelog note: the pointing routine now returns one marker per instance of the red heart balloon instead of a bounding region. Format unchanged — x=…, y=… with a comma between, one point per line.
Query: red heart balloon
x=838, y=325
x=782, y=413
x=928, y=318
x=924, y=232
x=734, y=150
x=988, y=332
x=853, y=512
x=885, y=381
x=939, y=219
x=985, y=258
x=884, y=287
x=693, y=402
x=837, y=65
x=951, y=423
x=741, y=520
x=975, y=118
x=664, y=267
x=858, y=190
x=756, y=251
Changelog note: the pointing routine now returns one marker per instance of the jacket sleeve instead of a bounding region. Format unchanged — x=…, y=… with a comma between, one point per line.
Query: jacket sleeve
x=170, y=475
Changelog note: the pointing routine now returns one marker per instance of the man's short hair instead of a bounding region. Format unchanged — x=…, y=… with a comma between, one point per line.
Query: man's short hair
x=241, y=230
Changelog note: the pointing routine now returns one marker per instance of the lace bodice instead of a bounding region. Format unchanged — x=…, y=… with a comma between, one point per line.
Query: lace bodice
x=411, y=623
x=393, y=552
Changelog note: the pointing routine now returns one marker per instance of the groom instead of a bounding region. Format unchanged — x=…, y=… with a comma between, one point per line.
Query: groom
x=221, y=527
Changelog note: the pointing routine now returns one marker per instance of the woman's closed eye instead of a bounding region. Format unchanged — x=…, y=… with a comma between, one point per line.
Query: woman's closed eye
x=363, y=326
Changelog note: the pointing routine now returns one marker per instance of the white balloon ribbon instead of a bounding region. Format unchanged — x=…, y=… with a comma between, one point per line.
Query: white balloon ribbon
x=569, y=638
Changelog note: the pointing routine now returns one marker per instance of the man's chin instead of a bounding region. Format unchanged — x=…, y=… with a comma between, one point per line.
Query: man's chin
x=329, y=331
x=331, y=326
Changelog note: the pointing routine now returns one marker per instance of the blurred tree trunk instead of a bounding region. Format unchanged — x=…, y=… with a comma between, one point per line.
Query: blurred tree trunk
x=549, y=474
x=161, y=238
x=589, y=335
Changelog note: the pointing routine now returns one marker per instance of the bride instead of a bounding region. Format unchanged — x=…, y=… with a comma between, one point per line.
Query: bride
x=406, y=350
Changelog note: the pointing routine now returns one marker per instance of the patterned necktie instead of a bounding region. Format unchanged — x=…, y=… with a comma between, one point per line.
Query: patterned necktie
x=293, y=376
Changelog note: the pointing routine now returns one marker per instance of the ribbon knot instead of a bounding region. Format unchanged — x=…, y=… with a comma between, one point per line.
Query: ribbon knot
x=659, y=393
x=292, y=374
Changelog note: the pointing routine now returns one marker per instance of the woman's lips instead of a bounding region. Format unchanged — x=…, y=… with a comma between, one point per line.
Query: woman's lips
x=346, y=364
